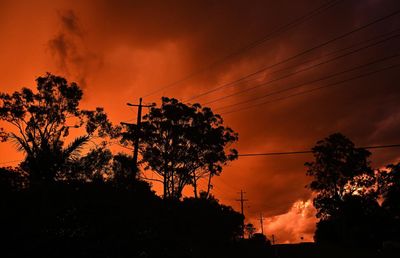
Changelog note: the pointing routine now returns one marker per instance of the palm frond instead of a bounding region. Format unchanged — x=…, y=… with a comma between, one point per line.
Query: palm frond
x=20, y=143
x=74, y=148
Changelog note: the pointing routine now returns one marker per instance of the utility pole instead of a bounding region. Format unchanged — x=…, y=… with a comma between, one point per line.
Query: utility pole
x=273, y=239
x=262, y=224
x=242, y=200
x=138, y=131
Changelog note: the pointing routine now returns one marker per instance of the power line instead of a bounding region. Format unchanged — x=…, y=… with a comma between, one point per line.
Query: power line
x=297, y=55
x=311, y=82
x=304, y=69
x=314, y=89
x=274, y=153
x=269, y=36
x=326, y=55
x=277, y=154
x=310, y=151
x=220, y=180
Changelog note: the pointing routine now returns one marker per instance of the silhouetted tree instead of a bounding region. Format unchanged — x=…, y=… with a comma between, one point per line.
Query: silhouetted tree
x=389, y=188
x=42, y=120
x=358, y=222
x=95, y=206
x=346, y=193
x=209, y=221
x=183, y=143
x=250, y=229
x=94, y=165
x=339, y=170
x=124, y=174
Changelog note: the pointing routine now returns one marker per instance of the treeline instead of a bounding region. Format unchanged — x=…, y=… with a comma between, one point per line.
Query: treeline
x=62, y=201
x=358, y=206
x=97, y=219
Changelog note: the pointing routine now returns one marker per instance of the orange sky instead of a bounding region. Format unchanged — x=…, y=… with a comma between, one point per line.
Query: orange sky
x=121, y=50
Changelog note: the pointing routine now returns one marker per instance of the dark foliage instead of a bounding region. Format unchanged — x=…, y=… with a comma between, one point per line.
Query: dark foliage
x=339, y=170
x=360, y=222
x=12, y=179
x=40, y=121
x=59, y=203
x=97, y=219
x=183, y=143
x=389, y=187
x=347, y=192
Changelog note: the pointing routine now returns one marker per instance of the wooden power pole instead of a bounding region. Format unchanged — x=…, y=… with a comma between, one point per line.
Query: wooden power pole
x=261, y=223
x=242, y=200
x=138, y=131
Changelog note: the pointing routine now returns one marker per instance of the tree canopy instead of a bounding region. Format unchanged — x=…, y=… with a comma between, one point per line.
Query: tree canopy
x=183, y=143
x=40, y=121
x=346, y=194
x=389, y=187
x=339, y=170
x=61, y=202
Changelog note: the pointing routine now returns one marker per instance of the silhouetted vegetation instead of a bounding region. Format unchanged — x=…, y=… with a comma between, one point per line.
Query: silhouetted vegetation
x=97, y=219
x=62, y=201
x=182, y=144
x=389, y=188
x=347, y=193
x=41, y=121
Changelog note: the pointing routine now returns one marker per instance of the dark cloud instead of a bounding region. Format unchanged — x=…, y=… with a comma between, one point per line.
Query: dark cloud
x=70, y=51
x=60, y=48
x=70, y=22
x=204, y=30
